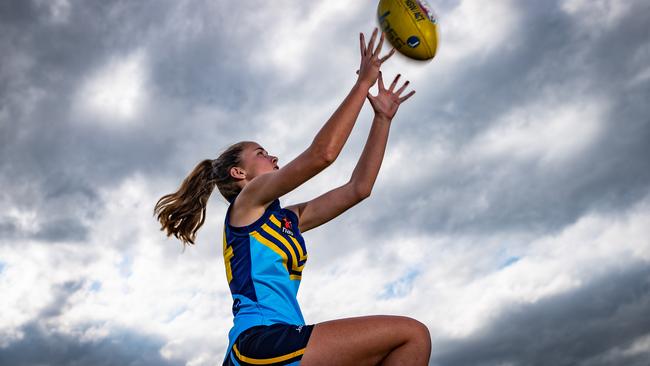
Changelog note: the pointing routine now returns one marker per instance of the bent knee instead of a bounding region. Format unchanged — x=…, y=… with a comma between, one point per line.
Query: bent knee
x=419, y=332
x=409, y=326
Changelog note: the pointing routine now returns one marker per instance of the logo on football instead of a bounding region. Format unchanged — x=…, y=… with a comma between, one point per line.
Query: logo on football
x=413, y=41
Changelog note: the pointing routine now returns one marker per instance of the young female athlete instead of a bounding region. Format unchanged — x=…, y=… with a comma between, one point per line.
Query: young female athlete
x=264, y=251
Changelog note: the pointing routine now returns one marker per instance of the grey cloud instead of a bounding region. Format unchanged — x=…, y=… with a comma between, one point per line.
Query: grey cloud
x=553, y=53
x=619, y=358
x=197, y=59
x=205, y=94
x=42, y=346
x=576, y=328
x=54, y=163
x=59, y=303
x=8, y=228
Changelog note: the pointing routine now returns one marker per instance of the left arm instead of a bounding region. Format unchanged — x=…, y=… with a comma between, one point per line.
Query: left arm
x=333, y=203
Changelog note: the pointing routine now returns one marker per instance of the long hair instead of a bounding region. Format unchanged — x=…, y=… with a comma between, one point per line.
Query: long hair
x=182, y=213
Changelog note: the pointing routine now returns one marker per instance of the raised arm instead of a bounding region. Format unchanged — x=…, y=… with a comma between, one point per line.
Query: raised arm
x=331, y=204
x=328, y=142
x=333, y=135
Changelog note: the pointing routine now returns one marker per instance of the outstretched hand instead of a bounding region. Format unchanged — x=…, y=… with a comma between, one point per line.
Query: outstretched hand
x=387, y=101
x=370, y=61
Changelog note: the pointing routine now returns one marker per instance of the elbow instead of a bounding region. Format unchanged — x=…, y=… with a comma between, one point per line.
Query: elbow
x=361, y=191
x=323, y=157
x=329, y=156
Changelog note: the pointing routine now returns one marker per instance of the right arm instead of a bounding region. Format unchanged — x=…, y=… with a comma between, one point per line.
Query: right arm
x=324, y=208
x=328, y=142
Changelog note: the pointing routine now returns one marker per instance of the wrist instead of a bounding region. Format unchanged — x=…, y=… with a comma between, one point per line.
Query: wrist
x=363, y=85
x=382, y=118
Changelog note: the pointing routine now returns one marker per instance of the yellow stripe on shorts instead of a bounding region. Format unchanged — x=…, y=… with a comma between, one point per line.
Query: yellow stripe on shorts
x=266, y=361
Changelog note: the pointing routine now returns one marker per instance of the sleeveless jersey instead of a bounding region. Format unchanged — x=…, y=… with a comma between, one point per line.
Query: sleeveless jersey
x=264, y=263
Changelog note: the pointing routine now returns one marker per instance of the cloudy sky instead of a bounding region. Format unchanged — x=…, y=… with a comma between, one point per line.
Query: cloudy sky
x=511, y=215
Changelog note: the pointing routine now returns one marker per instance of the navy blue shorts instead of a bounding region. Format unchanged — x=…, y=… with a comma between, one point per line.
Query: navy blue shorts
x=276, y=344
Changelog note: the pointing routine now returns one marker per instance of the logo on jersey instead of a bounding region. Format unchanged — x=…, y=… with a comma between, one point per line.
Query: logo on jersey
x=286, y=226
x=235, y=306
x=299, y=328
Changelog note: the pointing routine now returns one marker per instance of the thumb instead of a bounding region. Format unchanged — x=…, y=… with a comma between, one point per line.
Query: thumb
x=371, y=99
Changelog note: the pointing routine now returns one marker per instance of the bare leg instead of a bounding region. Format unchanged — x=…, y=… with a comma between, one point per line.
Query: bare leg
x=369, y=340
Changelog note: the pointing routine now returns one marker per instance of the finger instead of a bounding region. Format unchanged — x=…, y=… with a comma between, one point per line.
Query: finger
x=400, y=90
x=372, y=40
x=381, y=81
x=392, y=51
x=392, y=85
x=362, y=43
x=381, y=43
x=402, y=99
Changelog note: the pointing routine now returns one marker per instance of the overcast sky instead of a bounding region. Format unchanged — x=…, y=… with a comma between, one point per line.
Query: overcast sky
x=511, y=214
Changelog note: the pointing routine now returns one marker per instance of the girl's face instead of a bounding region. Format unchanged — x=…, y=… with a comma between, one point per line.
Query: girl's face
x=256, y=161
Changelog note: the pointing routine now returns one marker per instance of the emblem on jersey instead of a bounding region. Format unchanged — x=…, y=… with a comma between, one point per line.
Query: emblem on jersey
x=286, y=226
x=235, y=306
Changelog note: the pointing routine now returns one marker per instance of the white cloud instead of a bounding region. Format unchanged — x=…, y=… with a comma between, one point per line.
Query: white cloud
x=29, y=279
x=461, y=283
x=181, y=297
x=464, y=293
x=131, y=276
x=549, y=129
x=406, y=161
x=117, y=91
x=25, y=220
x=476, y=29
x=296, y=33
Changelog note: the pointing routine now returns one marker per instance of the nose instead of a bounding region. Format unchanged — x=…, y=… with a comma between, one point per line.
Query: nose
x=274, y=159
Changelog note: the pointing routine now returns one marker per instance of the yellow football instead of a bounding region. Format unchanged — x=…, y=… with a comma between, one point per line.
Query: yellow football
x=410, y=26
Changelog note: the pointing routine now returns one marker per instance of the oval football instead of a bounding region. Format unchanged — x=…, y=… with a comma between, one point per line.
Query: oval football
x=410, y=26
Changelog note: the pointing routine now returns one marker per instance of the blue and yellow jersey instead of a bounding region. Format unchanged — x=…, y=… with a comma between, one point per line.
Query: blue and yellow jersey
x=264, y=263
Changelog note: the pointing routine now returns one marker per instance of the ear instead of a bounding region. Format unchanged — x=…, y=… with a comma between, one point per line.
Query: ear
x=237, y=173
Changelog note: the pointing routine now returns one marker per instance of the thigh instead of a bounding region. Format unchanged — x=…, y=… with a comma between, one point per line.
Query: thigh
x=357, y=341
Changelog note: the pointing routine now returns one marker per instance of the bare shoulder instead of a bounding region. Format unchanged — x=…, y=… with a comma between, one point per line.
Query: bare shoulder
x=243, y=213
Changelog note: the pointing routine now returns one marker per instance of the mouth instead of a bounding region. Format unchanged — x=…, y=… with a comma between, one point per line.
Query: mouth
x=276, y=168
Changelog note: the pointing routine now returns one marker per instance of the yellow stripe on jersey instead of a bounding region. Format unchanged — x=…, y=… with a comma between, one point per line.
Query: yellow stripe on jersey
x=266, y=361
x=228, y=253
x=271, y=245
x=303, y=256
x=300, y=252
x=279, y=237
x=275, y=220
